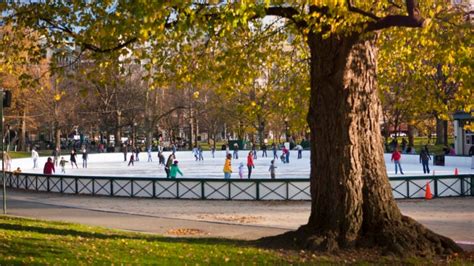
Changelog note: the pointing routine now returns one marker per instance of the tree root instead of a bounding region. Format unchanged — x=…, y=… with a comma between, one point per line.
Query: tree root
x=406, y=239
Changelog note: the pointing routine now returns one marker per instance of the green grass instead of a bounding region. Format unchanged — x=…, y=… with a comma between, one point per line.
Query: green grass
x=38, y=242
x=27, y=241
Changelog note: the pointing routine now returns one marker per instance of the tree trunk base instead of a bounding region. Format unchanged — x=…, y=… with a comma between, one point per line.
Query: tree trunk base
x=405, y=239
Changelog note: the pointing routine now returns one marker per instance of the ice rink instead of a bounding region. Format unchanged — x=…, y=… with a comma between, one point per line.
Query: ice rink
x=113, y=164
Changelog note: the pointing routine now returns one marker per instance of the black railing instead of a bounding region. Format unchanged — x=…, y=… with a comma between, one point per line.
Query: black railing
x=408, y=187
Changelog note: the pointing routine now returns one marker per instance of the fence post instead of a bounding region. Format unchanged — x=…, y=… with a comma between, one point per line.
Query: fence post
x=76, y=185
x=111, y=187
x=435, y=179
x=287, y=189
x=154, y=188
x=229, y=190
x=177, y=189
x=202, y=190
x=257, y=183
x=408, y=189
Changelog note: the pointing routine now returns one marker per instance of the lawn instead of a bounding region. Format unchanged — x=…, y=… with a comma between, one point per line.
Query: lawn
x=26, y=241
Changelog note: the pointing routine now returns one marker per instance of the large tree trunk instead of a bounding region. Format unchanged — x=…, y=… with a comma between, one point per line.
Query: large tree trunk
x=352, y=201
x=22, y=140
x=440, y=131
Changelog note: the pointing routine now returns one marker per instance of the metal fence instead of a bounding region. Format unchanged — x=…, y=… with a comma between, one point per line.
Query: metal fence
x=233, y=189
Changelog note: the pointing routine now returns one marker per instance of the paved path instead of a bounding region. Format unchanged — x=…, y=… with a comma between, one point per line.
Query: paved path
x=139, y=223
x=247, y=220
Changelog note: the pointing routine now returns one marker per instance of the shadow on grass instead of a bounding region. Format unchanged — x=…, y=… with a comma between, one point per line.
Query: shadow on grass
x=135, y=236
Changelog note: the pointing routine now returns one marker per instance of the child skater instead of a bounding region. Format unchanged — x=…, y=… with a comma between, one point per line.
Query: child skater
x=241, y=170
x=272, y=169
x=62, y=163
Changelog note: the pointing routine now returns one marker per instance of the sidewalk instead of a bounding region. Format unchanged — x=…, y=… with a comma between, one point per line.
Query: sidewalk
x=247, y=220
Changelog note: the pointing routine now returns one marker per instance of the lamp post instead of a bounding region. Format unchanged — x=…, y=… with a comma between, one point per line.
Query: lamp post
x=2, y=92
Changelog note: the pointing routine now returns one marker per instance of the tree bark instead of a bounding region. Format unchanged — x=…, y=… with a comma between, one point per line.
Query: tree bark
x=411, y=135
x=352, y=201
x=22, y=140
x=440, y=132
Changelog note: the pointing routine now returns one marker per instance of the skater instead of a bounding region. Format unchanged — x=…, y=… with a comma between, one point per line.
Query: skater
x=274, y=148
x=286, y=152
x=235, y=155
x=396, y=156
x=124, y=150
x=132, y=160
x=250, y=164
x=283, y=158
x=169, y=162
x=424, y=160
x=299, y=148
x=227, y=167
x=73, y=158
x=149, y=154
x=196, y=153
x=34, y=156
x=254, y=151
x=175, y=170
x=56, y=155
x=213, y=150
x=264, y=149
x=137, y=152
x=49, y=167
x=161, y=158
x=85, y=156
x=201, y=158
x=272, y=169
x=241, y=170
x=62, y=163
x=404, y=145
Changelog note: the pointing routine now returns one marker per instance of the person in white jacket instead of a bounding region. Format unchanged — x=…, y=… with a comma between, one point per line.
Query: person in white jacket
x=34, y=156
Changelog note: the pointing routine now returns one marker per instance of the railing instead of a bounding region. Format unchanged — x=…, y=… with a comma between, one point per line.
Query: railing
x=233, y=189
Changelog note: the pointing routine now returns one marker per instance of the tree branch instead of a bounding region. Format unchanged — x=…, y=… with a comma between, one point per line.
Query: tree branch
x=413, y=20
x=360, y=11
x=286, y=12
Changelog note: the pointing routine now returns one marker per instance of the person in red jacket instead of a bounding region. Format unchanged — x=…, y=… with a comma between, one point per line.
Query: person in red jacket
x=250, y=164
x=396, y=156
x=49, y=167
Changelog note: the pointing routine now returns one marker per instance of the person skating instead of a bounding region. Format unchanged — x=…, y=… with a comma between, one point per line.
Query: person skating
x=124, y=151
x=175, y=170
x=150, y=159
x=55, y=155
x=34, y=156
x=272, y=169
x=201, y=158
x=49, y=167
x=241, y=170
x=73, y=158
x=396, y=156
x=196, y=153
x=275, y=152
x=63, y=163
x=254, y=151
x=132, y=160
x=264, y=149
x=299, y=148
x=424, y=160
x=250, y=164
x=227, y=167
x=169, y=163
x=161, y=158
x=235, y=155
x=85, y=156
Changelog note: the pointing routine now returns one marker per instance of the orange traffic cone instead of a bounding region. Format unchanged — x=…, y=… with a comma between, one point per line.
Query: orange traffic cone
x=428, y=194
x=456, y=172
